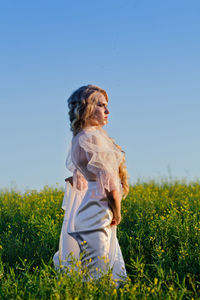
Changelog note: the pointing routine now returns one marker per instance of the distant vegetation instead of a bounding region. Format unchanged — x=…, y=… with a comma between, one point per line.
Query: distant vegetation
x=159, y=237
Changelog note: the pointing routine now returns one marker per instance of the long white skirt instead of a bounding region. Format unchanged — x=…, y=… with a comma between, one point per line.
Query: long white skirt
x=86, y=230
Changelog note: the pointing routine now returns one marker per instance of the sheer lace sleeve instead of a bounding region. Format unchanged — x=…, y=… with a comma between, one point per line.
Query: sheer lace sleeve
x=103, y=159
x=79, y=181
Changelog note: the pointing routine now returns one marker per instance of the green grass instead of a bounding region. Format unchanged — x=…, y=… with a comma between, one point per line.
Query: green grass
x=159, y=237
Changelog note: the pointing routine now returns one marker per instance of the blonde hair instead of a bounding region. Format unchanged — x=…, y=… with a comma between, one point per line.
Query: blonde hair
x=123, y=173
x=81, y=107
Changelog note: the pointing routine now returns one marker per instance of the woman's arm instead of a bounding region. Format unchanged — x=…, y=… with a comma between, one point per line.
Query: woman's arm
x=115, y=204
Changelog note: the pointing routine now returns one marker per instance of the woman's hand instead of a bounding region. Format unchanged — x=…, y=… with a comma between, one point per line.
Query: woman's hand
x=81, y=182
x=69, y=179
x=116, y=220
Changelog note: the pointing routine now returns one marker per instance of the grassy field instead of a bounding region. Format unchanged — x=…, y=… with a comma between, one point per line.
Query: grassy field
x=159, y=236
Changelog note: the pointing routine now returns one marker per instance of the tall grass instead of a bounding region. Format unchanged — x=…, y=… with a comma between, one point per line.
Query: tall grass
x=159, y=237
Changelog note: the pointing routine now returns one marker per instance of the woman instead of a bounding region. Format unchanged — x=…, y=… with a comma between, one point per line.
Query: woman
x=93, y=195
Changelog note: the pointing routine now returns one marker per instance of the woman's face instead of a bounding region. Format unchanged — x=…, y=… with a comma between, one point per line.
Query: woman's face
x=100, y=115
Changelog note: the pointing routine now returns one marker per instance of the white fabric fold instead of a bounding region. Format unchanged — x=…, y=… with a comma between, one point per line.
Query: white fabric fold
x=67, y=244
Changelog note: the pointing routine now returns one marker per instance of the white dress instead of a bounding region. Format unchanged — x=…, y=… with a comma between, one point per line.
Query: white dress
x=94, y=160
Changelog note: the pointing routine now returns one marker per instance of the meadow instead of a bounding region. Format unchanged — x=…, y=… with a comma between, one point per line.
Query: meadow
x=159, y=237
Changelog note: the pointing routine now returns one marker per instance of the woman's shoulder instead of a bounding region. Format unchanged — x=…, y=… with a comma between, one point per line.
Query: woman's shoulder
x=90, y=134
x=96, y=136
x=95, y=139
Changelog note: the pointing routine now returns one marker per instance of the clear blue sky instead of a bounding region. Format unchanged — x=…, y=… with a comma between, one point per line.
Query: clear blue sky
x=145, y=54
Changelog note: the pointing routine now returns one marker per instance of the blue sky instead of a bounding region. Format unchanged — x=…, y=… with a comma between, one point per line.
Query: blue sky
x=145, y=54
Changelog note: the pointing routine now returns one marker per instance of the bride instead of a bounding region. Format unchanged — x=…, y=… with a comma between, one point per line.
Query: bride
x=92, y=200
